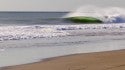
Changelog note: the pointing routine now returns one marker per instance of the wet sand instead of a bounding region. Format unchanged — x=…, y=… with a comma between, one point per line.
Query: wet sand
x=113, y=60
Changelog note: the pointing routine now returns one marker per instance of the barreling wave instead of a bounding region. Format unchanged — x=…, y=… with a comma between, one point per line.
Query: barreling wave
x=107, y=14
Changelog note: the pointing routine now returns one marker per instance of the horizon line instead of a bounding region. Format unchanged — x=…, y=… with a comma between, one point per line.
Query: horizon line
x=37, y=11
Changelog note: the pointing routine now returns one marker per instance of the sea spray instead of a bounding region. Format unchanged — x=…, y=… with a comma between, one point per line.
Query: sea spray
x=107, y=14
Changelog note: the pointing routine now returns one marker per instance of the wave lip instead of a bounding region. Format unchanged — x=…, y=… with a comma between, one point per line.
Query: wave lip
x=28, y=32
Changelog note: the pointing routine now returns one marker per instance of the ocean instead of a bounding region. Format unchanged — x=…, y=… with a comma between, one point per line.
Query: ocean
x=31, y=18
x=27, y=37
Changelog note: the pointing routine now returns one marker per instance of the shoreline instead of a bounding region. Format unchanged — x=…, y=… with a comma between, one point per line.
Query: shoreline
x=107, y=60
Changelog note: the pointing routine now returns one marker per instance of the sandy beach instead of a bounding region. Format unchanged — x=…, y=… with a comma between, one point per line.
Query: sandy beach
x=111, y=60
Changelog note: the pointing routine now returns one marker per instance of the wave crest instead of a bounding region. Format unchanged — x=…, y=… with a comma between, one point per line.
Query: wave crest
x=107, y=14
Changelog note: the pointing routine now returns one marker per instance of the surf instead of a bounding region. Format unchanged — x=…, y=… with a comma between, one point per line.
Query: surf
x=28, y=32
x=106, y=15
x=48, y=31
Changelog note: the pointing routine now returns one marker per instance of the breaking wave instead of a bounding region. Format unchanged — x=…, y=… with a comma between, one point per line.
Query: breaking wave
x=28, y=32
x=107, y=14
x=48, y=31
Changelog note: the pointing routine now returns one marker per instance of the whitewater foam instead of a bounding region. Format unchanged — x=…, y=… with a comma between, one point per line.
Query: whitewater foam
x=43, y=31
x=28, y=32
x=107, y=15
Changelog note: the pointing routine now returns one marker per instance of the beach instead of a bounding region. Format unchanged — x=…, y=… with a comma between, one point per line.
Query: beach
x=110, y=60
x=61, y=47
x=84, y=50
x=30, y=41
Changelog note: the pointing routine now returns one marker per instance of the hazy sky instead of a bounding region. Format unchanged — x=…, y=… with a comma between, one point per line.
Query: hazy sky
x=53, y=5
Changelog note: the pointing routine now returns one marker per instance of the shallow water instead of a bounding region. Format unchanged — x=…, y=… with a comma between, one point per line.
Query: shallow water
x=28, y=51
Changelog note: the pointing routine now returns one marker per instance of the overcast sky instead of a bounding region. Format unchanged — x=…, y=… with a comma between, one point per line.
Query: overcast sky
x=54, y=5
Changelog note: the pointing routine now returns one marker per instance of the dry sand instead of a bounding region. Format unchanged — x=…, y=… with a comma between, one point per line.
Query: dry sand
x=114, y=60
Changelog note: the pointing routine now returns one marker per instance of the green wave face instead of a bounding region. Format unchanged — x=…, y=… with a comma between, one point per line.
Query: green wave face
x=82, y=19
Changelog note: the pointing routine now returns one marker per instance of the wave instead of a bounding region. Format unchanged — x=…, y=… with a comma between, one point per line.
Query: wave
x=48, y=31
x=107, y=14
x=28, y=32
